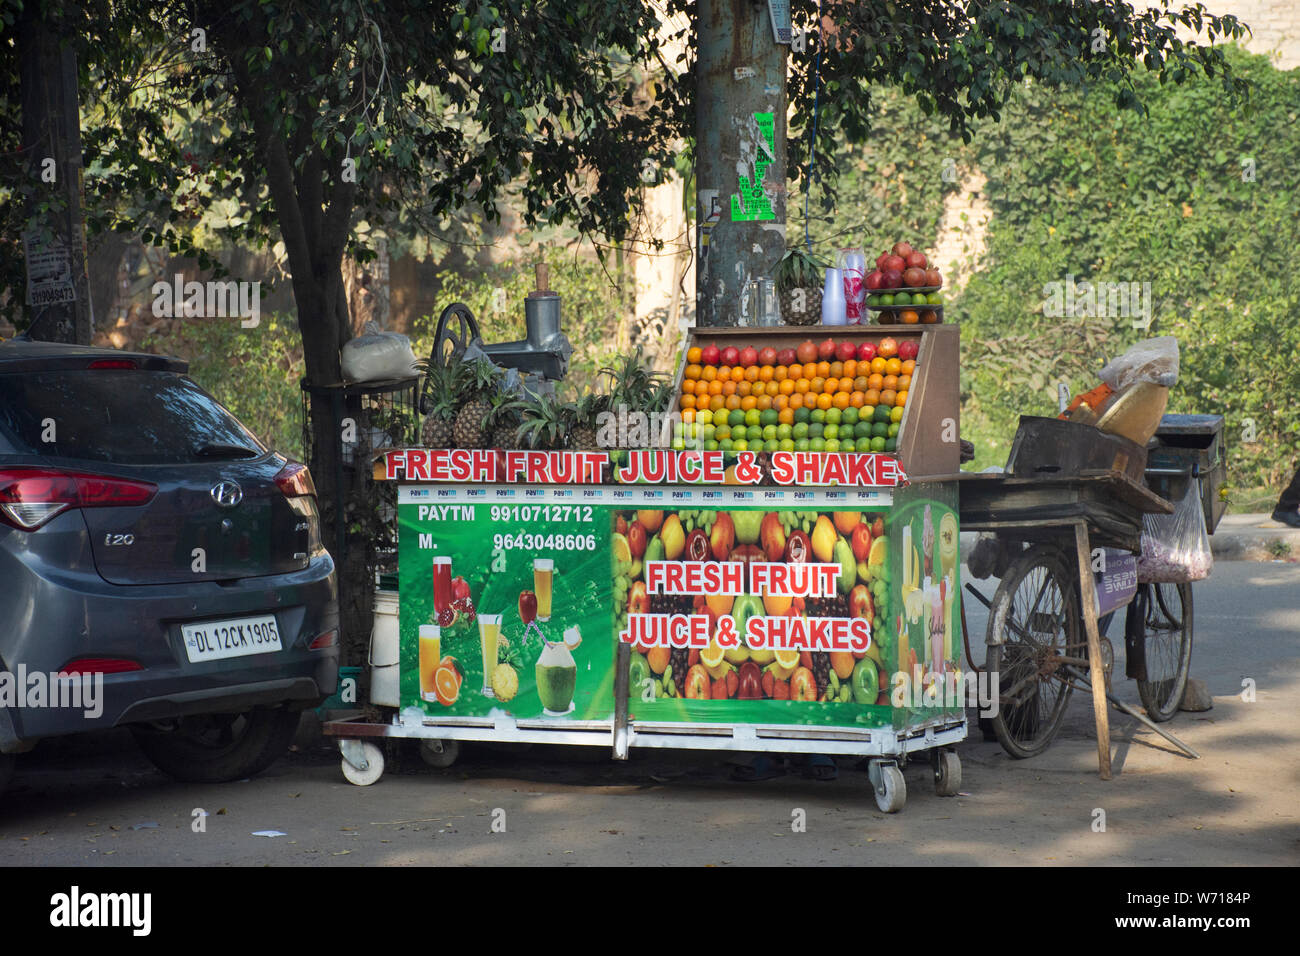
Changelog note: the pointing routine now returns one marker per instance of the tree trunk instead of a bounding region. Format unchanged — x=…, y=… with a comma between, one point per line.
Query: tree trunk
x=744, y=222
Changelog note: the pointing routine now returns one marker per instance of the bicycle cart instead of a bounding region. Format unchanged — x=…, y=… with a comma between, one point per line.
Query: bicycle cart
x=1075, y=535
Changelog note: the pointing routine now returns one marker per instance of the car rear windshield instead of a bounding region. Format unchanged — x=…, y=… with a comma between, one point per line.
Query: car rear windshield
x=125, y=416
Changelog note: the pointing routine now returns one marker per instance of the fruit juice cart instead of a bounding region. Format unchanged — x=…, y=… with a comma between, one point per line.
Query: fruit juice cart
x=766, y=597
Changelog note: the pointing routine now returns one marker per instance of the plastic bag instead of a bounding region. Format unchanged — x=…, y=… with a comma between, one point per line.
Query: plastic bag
x=1176, y=547
x=376, y=356
x=1152, y=360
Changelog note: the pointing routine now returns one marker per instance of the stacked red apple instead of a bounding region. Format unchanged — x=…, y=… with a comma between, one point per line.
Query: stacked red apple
x=903, y=268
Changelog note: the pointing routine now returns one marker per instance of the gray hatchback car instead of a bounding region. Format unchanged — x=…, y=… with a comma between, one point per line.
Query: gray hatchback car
x=160, y=568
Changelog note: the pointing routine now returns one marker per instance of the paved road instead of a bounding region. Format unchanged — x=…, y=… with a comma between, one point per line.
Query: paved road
x=78, y=802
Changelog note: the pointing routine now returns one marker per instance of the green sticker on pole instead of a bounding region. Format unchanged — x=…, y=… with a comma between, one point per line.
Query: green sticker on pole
x=752, y=204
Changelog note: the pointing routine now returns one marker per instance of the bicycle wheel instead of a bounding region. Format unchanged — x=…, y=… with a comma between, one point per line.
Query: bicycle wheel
x=1035, y=616
x=1167, y=630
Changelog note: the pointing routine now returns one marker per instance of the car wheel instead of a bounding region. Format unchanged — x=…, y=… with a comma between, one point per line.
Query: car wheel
x=214, y=748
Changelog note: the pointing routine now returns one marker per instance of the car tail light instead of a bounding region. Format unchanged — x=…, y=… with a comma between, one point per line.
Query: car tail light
x=112, y=363
x=328, y=639
x=29, y=497
x=100, y=665
x=294, y=480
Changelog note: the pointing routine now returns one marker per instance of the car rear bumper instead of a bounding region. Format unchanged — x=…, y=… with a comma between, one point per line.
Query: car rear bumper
x=51, y=617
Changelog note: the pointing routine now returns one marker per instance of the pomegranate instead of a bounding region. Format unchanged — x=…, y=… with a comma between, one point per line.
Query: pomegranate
x=786, y=357
x=915, y=260
x=806, y=352
x=901, y=249
x=730, y=355
x=748, y=356
x=767, y=356
x=914, y=277
x=711, y=354
x=826, y=351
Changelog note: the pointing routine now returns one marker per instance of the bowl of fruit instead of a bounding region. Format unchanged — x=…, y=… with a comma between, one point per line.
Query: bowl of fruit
x=904, y=288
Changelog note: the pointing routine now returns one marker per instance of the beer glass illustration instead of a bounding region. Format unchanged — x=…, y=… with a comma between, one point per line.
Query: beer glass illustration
x=489, y=630
x=543, y=573
x=430, y=656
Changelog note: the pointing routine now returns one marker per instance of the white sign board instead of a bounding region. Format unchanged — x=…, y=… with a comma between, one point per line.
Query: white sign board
x=780, y=12
x=49, y=271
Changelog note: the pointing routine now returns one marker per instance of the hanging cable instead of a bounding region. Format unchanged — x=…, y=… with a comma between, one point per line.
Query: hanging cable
x=812, y=143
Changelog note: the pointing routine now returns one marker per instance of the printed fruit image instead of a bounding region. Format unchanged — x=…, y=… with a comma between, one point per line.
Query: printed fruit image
x=802, y=685
x=878, y=559
x=637, y=538
x=797, y=548
x=446, y=683
x=823, y=539
x=638, y=673
x=527, y=606
x=749, y=682
x=620, y=549
x=843, y=555
x=459, y=589
x=860, y=602
x=786, y=663
x=723, y=536
x=846, y=521
x=650, y=520
x=772, y=536
x=748, y=524
x=654, y=551
x=673, y=537
x=775, y=605
x=860, y=541
x=638, y=602
x=865, y=682
x=948, y=540
x=720, y=604
x=697, y=546
x=842, y=664
x=658, y=658
x=505, y=682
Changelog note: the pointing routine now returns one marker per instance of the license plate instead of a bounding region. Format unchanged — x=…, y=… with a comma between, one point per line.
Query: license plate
x=239, y=637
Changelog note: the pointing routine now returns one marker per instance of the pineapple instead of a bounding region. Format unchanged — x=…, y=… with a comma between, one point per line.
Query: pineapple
x=800, y=277
x=478, y=382
x=637, y=389
x=589, y=410
x=436, y=432
x=546, y=422
x=502, y=421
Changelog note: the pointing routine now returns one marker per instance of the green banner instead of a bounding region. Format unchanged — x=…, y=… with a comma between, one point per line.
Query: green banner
x=506, y=609
x=765, y=606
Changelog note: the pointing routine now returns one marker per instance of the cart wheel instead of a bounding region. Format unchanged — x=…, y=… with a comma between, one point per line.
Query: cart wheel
x=373, y=760
x=1167, y=630
x=947, y=773
x=1035, y=615
x=440, y=753
x=891, y=788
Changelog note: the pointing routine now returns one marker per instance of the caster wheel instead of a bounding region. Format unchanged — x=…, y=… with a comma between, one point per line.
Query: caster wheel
x=947, y=773
x=373, y=760
x=891, y=791
x=440, y=753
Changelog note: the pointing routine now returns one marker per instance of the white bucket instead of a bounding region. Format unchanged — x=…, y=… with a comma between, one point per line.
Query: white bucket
x=385, y=651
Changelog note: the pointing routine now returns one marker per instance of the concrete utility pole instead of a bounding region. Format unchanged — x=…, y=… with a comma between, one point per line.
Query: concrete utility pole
x=740, y=162
x=58, y=291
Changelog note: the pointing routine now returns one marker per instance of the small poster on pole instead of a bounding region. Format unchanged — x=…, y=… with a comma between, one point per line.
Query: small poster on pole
x=780, y=13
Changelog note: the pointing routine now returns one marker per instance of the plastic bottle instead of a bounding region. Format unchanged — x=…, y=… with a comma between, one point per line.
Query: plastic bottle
x=833, y=298
x=853, y=263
